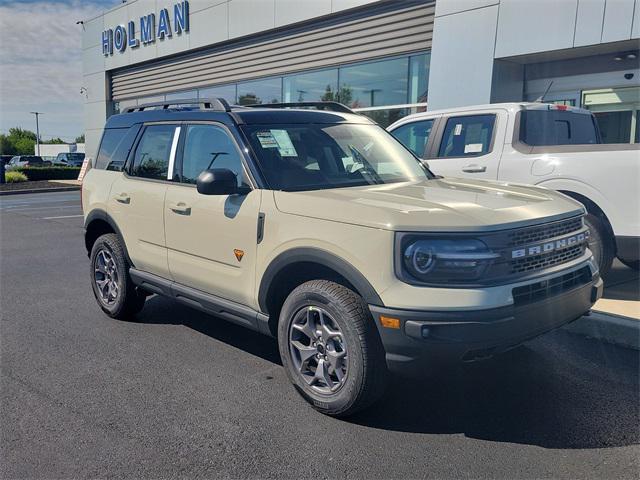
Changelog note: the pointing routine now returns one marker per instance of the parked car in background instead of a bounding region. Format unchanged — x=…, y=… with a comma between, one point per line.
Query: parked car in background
x=553, y=146
x=70, y=159
x=26, y=161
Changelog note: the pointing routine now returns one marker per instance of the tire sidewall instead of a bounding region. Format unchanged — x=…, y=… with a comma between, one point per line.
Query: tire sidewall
x=347, y=394
x=107, y=243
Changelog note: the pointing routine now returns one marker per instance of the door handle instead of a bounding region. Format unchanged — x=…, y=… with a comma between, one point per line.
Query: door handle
x=181, y=208
x=123, y=198
x=473, y=168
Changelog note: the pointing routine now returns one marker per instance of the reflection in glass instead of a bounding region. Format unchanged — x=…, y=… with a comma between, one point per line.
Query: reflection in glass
x=228, y=92
x=418, y=77
x=182, y=95
x=615, y=127
x=268, y=90
x=374, y=84
x=311, y=87
x=384, y=118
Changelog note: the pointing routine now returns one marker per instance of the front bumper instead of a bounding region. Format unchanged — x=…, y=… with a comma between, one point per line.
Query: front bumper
x=435, y=337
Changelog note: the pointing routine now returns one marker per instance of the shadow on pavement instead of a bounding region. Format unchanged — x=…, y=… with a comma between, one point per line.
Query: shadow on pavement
x=559, y=391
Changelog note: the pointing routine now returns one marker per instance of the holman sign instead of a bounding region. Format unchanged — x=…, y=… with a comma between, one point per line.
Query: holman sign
x=121, y=37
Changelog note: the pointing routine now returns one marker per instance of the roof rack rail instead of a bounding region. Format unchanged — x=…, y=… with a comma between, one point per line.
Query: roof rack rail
x=330, y=106
x=215, y=104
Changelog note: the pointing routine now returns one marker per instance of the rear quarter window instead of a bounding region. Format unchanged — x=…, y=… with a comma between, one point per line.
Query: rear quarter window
x=114, y=148
x=557, y=127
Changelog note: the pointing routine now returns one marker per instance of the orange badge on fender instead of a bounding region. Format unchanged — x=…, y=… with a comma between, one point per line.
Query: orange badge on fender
x=238, y=253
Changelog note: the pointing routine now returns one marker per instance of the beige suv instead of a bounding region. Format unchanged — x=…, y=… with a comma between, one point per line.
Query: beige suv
x=318, y=228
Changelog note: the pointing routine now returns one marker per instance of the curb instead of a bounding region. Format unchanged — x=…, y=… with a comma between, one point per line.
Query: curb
x=41, y=190
x=615, y=329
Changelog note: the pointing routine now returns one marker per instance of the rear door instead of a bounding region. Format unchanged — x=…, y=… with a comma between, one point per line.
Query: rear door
x=468, y=145
x=137, y=197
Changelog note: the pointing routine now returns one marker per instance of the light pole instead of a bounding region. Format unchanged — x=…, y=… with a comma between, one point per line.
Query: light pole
x=37, y=131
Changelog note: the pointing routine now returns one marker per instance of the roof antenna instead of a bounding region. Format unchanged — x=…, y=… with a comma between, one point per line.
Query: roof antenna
x=540, y=99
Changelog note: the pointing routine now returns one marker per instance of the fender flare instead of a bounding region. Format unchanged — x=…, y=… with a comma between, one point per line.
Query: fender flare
x=99, y=214
x=322, y=257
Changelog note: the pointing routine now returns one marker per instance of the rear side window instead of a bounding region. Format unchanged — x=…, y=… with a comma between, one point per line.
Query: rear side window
x=414, y=135
x=467, y=136
x=153, y=151
x=557, y=127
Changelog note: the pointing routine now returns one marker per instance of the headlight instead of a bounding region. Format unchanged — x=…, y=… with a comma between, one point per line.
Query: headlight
x=445, y=261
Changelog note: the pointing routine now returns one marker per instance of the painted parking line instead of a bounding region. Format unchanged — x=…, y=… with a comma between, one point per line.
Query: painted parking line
x=22, y=209
x=62, y=216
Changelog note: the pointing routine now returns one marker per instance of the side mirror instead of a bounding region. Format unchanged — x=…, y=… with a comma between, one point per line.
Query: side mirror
x=217, y=181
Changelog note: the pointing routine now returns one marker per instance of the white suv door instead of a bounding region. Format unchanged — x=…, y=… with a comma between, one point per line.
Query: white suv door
x=468, y=145
x=211, y=239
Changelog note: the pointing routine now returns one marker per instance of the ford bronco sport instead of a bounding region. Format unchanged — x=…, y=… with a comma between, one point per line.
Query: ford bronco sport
x=317, y=227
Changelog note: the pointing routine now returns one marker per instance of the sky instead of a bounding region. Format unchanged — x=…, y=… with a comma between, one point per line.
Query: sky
x=41, y=64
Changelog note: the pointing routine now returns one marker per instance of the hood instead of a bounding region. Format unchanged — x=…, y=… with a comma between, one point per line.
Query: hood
x=449, y=204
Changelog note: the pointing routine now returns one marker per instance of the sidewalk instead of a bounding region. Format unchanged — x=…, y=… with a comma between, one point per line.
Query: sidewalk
x=615, y=318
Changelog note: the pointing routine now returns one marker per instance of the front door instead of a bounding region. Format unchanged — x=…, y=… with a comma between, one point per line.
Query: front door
x=211, y=239
x=469, y=145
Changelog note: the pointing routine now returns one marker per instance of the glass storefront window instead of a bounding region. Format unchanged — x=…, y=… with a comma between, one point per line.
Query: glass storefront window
x=268, y=90
x=181, y=95
x=418, y=77
x=311, y=87
x=228, y=92
x=386, y=117
x=375, y=84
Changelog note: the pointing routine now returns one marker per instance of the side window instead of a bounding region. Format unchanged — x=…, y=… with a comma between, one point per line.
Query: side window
x=110, y=140
x=414, y=135
x=152, y=154
x=468, y=136
x=208, y=146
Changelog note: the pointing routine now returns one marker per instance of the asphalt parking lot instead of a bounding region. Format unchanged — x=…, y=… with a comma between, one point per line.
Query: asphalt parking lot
x=178, y=393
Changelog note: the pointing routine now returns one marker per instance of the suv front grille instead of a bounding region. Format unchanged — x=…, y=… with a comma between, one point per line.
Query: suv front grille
x=548, y=288
x=527, y=235
x=544, y=261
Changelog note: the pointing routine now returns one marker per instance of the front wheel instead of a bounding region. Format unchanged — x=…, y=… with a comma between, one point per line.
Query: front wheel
x=116, y=294
x=330, y=348
x=601, y=243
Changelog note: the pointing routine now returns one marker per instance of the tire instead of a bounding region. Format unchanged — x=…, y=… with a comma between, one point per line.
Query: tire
x=601, y=243
x=118, y=297
x=353, y=360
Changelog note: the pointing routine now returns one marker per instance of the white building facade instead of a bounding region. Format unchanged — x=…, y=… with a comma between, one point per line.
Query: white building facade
x=385, y=58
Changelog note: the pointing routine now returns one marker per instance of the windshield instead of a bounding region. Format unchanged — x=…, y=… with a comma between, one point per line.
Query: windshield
x=315, y=156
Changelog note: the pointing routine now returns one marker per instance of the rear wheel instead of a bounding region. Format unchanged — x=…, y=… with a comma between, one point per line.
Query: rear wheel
x=115, y=292
x=601, y=243
x=330, y=348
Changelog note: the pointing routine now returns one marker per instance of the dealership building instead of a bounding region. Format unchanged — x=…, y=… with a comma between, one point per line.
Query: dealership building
x=384, y=58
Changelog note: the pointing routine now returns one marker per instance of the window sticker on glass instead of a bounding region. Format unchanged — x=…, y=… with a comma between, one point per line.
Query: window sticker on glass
x=266, y=140
x=473, y=148
x=458, y=129
x=285, y=147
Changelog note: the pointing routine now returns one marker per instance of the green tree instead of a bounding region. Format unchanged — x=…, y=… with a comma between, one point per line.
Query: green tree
x=18, y=142
x=80, y=139
x=53, y=141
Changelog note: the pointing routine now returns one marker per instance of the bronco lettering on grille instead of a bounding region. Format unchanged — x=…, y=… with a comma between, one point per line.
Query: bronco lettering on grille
x=548, y=247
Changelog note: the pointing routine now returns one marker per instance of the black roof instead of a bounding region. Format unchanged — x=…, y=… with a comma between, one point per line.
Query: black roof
x=236, y=115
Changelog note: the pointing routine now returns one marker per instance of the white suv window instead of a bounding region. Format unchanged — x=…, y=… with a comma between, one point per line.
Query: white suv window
x=467, y=136
x=414, y=135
